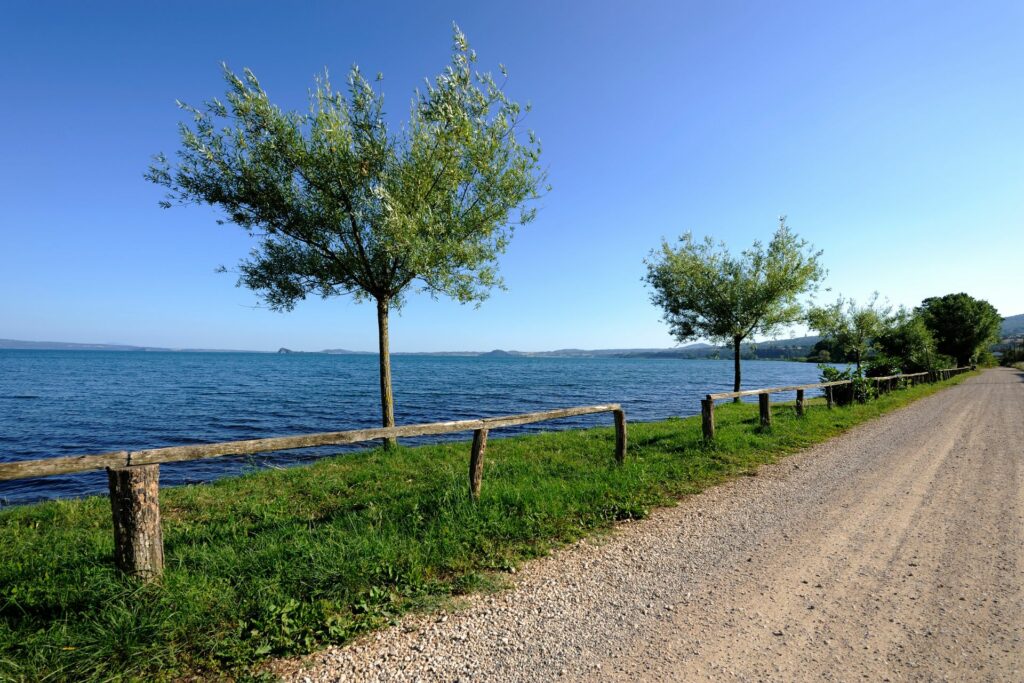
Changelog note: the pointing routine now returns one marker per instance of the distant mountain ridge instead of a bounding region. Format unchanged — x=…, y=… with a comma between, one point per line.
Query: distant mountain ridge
x=1013, y=326
x=782, y=349
x=790, y=348
x=21, y=345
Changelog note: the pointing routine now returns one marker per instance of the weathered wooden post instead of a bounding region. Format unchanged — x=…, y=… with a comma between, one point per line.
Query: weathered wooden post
x=766, y=409
x=828, y=398
x=620, y=435
x=707, y=418
x=135, y=503
x=799, y=402
x=476, y=462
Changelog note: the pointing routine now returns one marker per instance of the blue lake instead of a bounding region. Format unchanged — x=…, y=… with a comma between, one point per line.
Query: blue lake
x=59, y=403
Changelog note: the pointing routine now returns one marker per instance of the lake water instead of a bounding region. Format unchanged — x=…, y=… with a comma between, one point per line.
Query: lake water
x=59, y=403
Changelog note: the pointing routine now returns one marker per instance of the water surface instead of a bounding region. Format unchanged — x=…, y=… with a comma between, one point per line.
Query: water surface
x=59, y=403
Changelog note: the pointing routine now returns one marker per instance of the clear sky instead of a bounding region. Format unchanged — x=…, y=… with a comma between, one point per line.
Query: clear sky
x=890, y=133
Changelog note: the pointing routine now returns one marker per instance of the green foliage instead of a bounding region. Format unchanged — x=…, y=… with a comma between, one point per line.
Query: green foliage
x=905, y=344
x=962, y=326
x=850, y=327
x=860, y=388
x=341, y=204
x=827, y=351
x=706, y=292
x=985, y=359
x=281, y=562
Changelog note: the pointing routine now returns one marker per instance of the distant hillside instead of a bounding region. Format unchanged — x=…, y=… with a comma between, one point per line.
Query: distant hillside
x=67, y=346
x=1013, y=326
x=780, y=349
x=22, y=345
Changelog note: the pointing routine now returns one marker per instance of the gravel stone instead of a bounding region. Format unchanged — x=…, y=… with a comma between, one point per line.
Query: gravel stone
x=802, y=572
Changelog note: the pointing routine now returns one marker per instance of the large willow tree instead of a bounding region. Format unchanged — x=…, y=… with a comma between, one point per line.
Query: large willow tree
x=340, y=203
x=707, y=292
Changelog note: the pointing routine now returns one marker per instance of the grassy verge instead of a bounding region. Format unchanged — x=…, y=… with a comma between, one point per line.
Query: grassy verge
x=282, y=562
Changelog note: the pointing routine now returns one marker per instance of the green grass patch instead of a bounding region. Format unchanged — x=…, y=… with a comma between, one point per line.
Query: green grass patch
x=282, y=562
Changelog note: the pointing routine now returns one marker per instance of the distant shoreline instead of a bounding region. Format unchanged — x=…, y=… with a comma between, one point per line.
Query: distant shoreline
x=795, y=350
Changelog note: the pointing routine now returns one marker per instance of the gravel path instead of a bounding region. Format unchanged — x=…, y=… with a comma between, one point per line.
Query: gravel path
x=894, y=552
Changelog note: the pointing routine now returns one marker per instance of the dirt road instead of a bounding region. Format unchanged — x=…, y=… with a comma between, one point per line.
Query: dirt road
x=894, y=552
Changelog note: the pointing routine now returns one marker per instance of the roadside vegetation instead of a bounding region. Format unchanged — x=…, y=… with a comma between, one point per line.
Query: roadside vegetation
x=955, y=330
x=282, y=562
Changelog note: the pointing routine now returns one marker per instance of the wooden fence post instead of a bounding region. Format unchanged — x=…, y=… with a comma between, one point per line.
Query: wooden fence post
x=766, y=409
x=620, y=435
x=800, y=402
x=135, y=504
x=476, y=462
x=829, y=401
x=707, y=418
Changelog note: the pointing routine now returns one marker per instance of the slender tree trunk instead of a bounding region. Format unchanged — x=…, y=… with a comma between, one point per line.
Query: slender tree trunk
x=857, y=357
x=736, y=365
x=387, y=400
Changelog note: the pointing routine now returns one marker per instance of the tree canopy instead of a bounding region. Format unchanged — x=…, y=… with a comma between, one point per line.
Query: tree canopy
x=963, y=326
x=907, y=343
x=707, y=292
x=850, y=327
x=340, y=203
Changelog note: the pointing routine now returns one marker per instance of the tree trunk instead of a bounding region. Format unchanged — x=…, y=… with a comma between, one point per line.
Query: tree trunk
x=736, y=365
x=387, y=400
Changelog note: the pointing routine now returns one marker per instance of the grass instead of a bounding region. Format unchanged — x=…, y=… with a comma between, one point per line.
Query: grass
x=282, y=562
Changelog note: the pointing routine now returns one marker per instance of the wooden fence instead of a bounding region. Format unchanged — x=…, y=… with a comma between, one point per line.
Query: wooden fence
x=134, y=476
x=882, y=384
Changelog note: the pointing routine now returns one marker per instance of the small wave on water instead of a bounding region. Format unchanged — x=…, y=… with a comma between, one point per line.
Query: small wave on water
x=97, y=402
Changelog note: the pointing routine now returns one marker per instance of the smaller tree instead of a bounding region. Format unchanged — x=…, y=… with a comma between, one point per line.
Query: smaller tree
x=706, y=292
x=850, y=327
x=908, y=342
x=963, y=326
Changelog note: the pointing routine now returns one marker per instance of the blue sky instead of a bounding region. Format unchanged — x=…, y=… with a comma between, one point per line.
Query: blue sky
x=891, y=134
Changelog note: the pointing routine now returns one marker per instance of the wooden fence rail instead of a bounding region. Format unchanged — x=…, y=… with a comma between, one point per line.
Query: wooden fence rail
x=134, y=476
x=883, y=384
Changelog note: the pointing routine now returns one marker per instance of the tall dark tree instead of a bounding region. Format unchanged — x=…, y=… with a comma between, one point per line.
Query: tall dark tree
x=963, y=326
x=339, y=203
x=706, y=292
